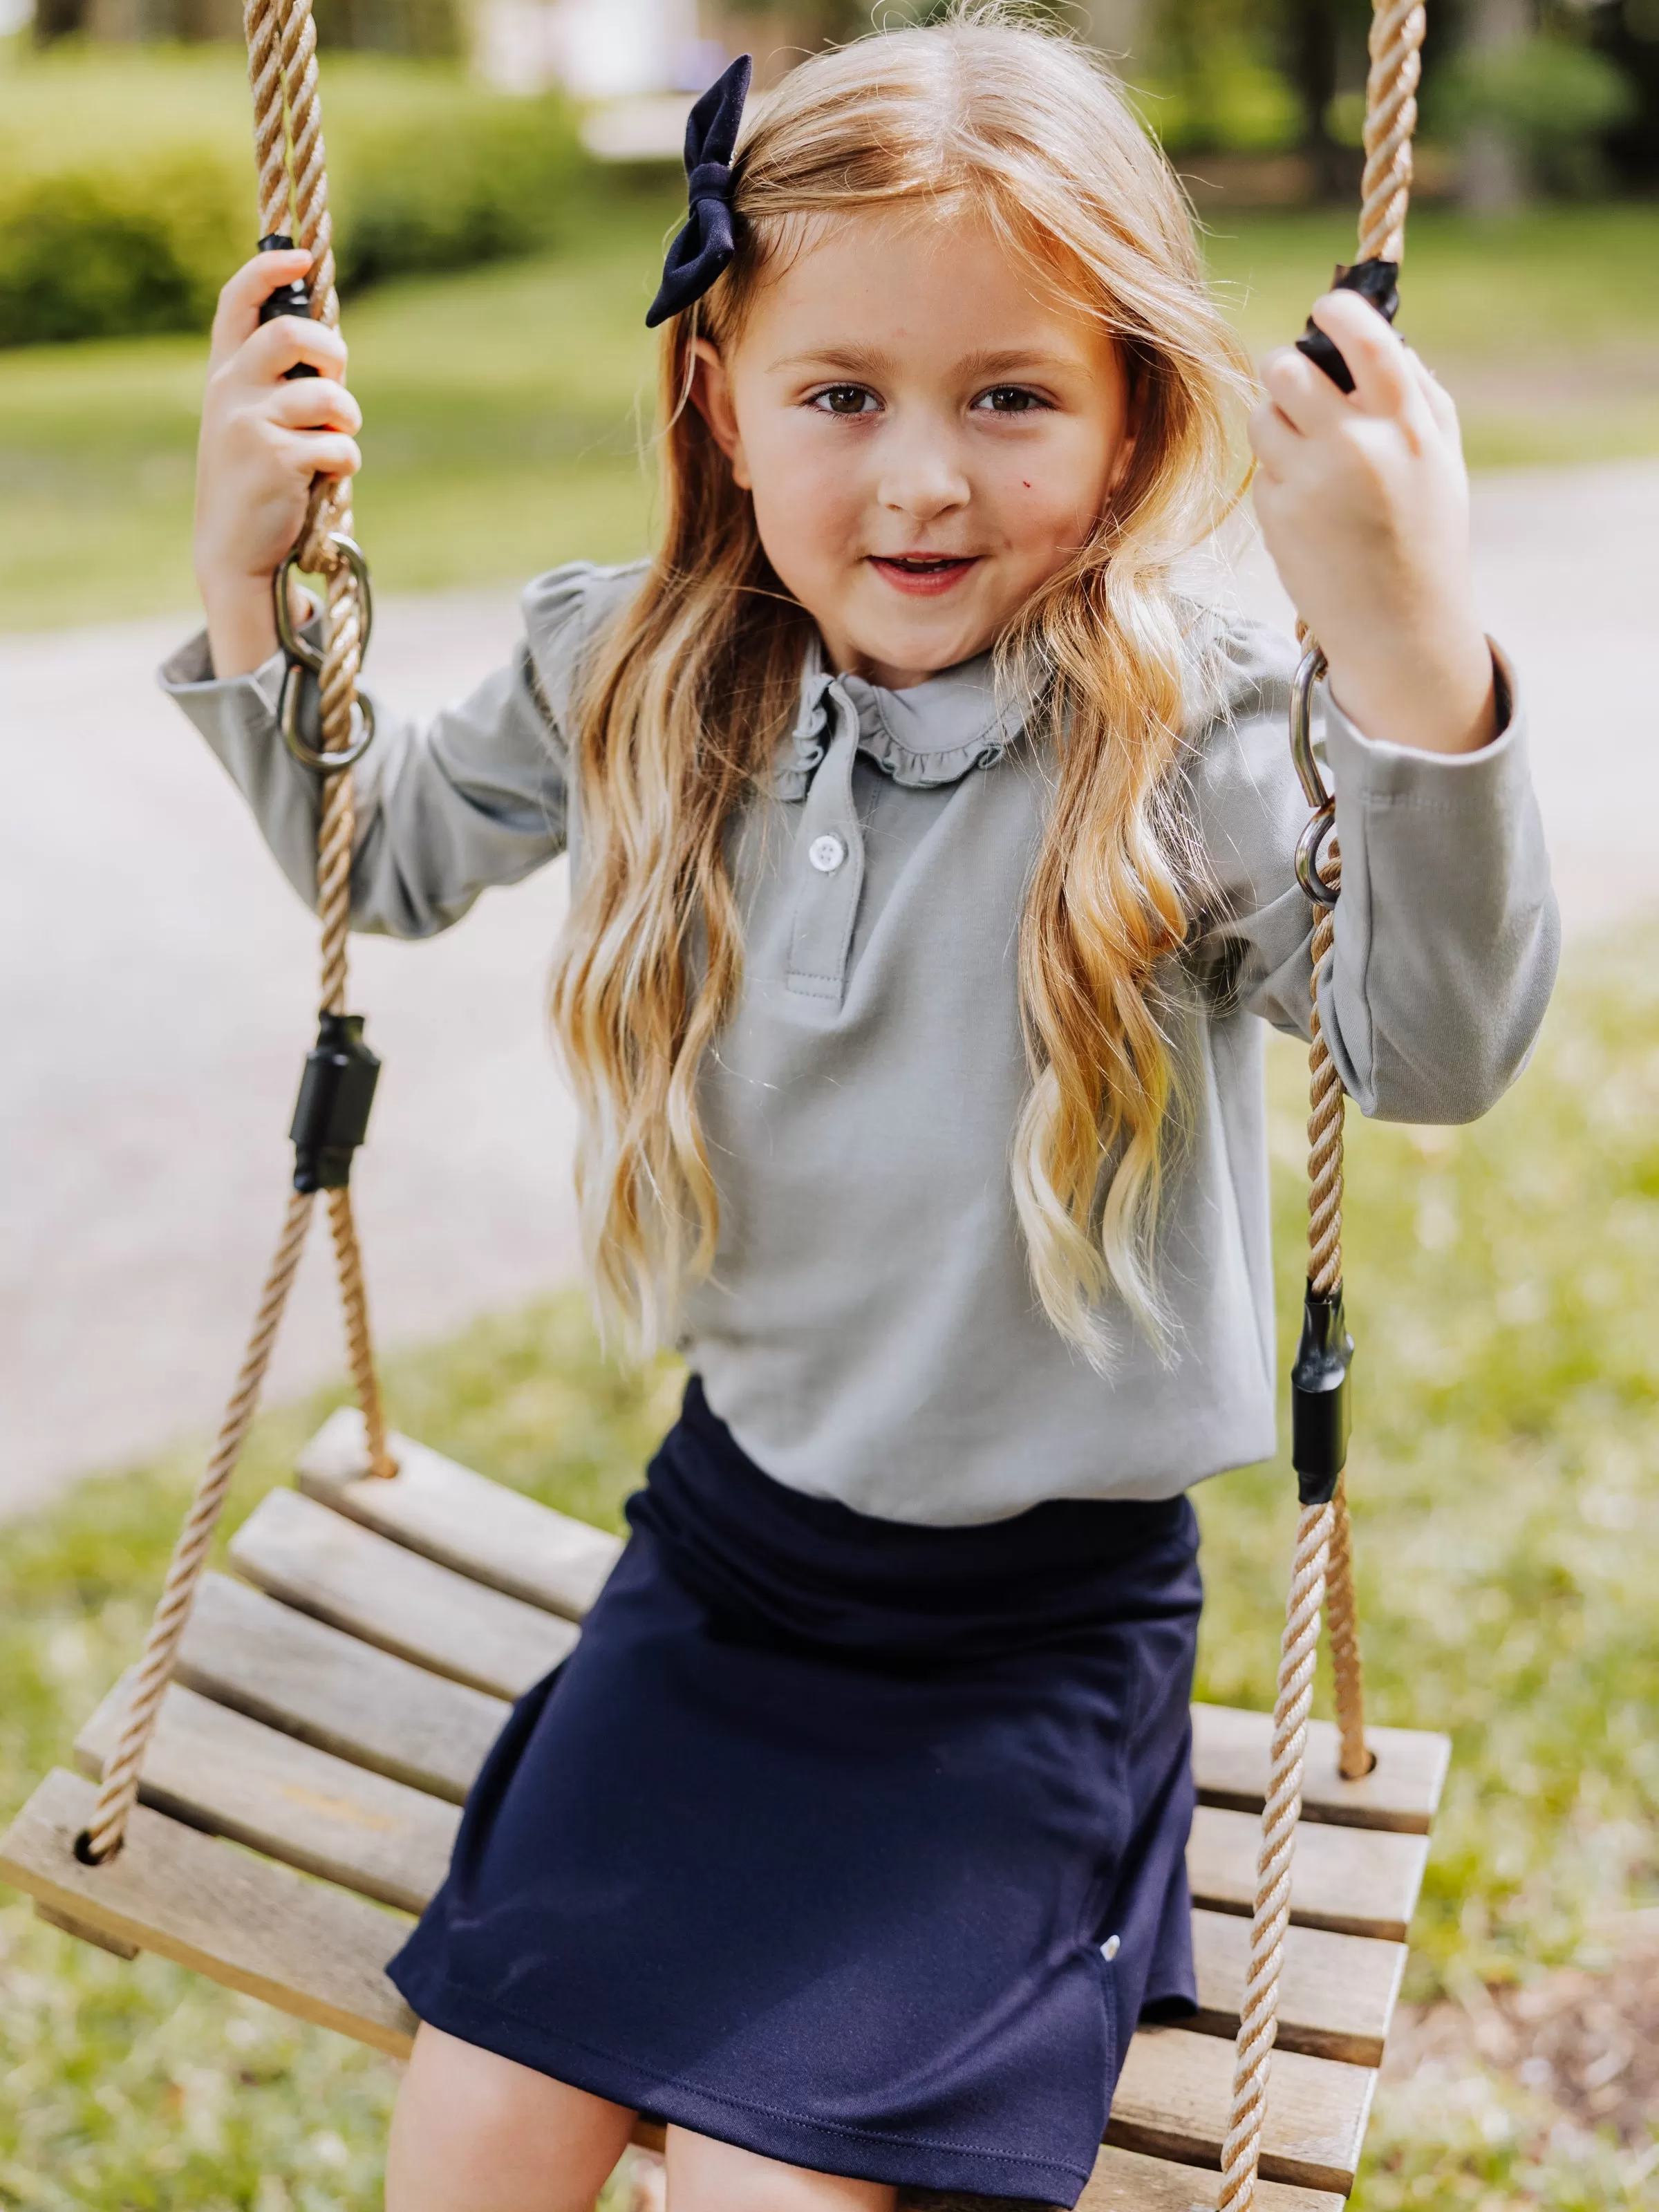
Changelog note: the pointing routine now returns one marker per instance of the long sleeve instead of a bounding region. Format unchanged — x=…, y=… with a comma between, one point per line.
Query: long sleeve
x=479, y=795
x=1447, y=933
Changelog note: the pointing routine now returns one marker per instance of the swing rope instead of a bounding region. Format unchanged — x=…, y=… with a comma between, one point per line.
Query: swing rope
x=1321, y=1572
x=281, y=42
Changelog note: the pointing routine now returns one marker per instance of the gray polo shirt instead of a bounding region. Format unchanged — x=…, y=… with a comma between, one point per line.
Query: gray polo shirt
x=869, y=1329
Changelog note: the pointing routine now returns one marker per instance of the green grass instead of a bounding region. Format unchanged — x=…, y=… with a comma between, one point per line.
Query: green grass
x=500, y=436
x=502, y=406
x=1505, y=1296
x=1545, y=327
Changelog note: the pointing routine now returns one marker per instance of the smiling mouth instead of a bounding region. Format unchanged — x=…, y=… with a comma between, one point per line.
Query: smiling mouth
x=923, y=573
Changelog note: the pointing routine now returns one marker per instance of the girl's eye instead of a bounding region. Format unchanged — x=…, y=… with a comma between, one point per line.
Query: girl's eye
x=1009, y=399
x=844, y=399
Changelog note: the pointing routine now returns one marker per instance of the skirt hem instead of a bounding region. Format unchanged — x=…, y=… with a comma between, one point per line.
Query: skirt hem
x=822, y=2146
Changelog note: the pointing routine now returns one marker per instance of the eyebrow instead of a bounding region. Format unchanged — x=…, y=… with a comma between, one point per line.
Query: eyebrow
x=868, y=361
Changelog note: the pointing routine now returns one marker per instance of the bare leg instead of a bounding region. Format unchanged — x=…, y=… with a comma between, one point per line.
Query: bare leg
x=706, y=2176
x=475, y=2133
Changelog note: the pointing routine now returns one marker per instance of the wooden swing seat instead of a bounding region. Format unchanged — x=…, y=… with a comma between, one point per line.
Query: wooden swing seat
x=332, y=1705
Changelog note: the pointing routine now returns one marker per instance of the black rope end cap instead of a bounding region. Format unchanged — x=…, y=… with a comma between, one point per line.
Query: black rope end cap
x=293, y=298
x=330, y=1115
x=1376, y=280
x=1319, y=1397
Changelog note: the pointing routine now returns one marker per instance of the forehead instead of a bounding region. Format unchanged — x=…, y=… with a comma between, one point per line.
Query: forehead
x=933, y=276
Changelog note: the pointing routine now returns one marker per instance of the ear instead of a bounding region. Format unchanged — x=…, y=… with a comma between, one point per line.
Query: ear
x=711, y=395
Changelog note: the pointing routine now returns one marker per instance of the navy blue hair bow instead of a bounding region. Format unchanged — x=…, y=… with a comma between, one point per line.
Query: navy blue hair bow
x=704, y=248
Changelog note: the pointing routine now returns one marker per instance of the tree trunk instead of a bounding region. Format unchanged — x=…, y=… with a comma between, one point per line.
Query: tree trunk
x=1494, y=181
x=1312, y=39
x=58, y=19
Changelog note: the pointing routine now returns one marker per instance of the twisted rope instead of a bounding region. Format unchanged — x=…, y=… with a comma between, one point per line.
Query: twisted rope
x=119, y=1790
x=1396, y=51
x=1327, y=1105
x=360, y=1348
x=1259, y=2016
x=292, y=188
x=1323, y=1568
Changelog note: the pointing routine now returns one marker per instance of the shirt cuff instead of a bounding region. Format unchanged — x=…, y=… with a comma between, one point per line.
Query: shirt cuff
x=1377, y=769
x=187, y=675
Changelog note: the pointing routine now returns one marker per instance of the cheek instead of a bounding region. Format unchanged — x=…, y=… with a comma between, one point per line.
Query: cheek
x=1052, y=495
x=806, y=492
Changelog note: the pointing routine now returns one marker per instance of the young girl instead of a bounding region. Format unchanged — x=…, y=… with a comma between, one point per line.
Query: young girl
x=932, y=877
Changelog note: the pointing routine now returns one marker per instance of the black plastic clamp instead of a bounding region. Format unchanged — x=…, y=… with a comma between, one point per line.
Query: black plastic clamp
x=1376, y=280
x=331, y=1117
x=293, y=298
x=1319, y=1397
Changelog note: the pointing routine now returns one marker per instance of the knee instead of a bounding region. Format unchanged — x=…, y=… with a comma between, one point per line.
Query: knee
x=474, y=2132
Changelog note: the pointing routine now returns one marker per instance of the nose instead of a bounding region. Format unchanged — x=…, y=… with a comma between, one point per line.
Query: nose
x=923, y=475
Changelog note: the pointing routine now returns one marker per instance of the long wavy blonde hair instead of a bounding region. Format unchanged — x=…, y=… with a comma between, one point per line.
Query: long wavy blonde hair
x=693, y=689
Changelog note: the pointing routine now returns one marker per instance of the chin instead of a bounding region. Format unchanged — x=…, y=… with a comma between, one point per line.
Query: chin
x=925, y=645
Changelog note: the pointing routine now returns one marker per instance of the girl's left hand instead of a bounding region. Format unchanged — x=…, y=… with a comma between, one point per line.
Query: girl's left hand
x=1363, y=502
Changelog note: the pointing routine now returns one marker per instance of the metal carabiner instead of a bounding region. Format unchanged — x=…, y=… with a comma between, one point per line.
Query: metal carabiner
x=297, y=649
x=325, y=763
x=1310, y=670
x=302, y=656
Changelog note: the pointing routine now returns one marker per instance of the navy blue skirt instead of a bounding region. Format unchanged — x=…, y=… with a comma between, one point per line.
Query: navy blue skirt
x=859, y=1844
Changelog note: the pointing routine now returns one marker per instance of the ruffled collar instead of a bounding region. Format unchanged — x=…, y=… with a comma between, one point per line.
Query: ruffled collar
x=933, y=733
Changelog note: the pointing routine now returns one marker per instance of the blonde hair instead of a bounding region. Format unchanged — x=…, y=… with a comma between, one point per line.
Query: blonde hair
x=692, y=690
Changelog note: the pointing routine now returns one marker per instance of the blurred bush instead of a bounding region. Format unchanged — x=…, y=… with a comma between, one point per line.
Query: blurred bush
x=1553, y=99
x=486, y=178
x=126, y=183
x=1218, y=103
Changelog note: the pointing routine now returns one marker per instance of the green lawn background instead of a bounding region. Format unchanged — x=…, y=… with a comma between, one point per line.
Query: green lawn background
x=504, y=408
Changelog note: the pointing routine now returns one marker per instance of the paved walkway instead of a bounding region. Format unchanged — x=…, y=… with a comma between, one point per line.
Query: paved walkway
x=158, y=995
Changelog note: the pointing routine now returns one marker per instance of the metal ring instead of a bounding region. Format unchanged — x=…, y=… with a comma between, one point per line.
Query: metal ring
x=1307, y=856
x=328, y=763
x=297, y=649
x=1311, y=667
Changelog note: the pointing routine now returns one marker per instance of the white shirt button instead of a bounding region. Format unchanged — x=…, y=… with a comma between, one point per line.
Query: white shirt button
x=1109, y=1949
x=826, y=853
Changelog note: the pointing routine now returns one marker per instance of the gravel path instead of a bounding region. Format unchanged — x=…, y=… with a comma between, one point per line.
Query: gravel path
x=158, y=997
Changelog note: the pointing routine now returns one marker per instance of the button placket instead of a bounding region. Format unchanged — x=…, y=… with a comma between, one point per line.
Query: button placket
x=831, y=847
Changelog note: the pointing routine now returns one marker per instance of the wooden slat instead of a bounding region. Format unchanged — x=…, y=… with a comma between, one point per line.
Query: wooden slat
x=245, y=1650
x=496, y=1536
x=222, y=1771
x=1356, y=1882
x=345, y=1575
x=1336, y=1993
x=315, y=1809
x=1125, y=2181
x=482, y=1529
x=251, y=1924
x=83, y=1931
x=321, y=1955
x=1232, y=1750
x=312, y=1950
x=1176, y=2088
x=1350, y=1881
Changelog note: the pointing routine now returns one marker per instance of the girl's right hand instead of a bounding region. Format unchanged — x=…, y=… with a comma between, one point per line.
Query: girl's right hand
x=263, y=440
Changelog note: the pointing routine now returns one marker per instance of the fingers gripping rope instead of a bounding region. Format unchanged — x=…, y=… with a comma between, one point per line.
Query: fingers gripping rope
x=292, y=188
